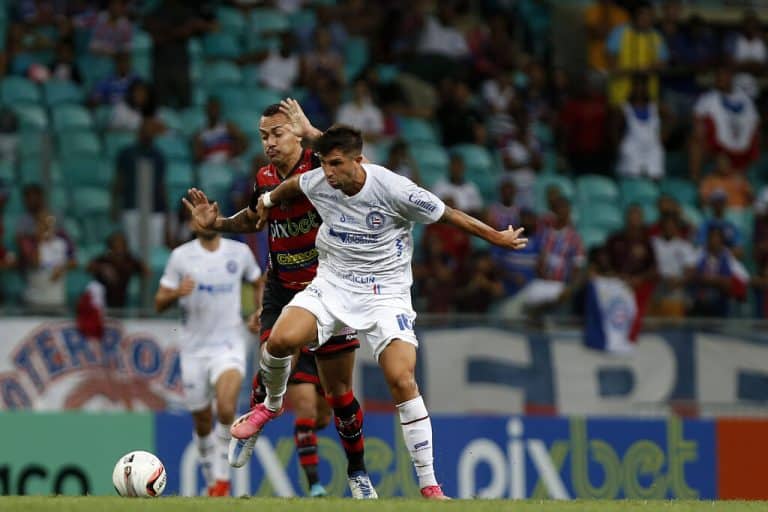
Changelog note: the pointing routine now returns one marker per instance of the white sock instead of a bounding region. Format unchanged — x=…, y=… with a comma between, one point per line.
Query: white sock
x=275, y=372
x=206, y=448
x=221, y=465
x=417, y=431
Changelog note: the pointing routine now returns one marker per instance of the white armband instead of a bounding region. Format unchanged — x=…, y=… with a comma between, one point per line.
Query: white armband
x=267, y=200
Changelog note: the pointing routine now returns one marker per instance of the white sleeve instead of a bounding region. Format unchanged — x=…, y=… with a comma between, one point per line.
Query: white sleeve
x=415, y=203
x=251, y=269
x=701, y=107
x=307, y=180
x=173, y=273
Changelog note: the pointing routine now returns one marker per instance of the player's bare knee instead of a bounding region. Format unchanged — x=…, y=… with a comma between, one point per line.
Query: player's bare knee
x=225, y=413
x=202, y=420
x=403, y=384
x=281, y=345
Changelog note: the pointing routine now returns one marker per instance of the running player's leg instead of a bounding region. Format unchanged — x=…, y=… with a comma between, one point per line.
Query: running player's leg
x=398, y=361
x=194, y=376
x=227, y=389
x=206, y=445
x=303, y=397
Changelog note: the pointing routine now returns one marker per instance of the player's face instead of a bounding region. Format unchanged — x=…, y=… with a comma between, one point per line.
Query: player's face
x=280, y=144
x=340, y=169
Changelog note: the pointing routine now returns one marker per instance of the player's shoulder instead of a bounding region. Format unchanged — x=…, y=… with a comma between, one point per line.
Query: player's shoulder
x=234, y=245
x=385, y=176
x=184, y=249
x=265, y=174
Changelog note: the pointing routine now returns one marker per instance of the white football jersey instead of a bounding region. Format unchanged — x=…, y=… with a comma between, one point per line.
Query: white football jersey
x=365, y=242
x=211, y=313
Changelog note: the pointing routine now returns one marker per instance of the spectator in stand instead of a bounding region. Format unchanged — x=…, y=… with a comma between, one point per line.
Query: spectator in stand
x=442, y=49
x=113, y=88
x=45, y=258
x=667, y=206
x=171, y=25
x=640, y=126
x=522, y=159
x=322, y=101
x=454, y=243
x=760, y=254
x=483, y=288
x=498, y=93
x=729, y=232
x=113, y=31
x=64, y=66
x=35, y=208
x=323, y=59
x=748, y=53
x=505, y=212
x=725, y=178
x=635, y=47
x=582, y=128
x=725, y=121
x=115, y=268
x=547, y=217
x=434, y=276
x=600, y=19
x=137, y=106
x=460, y=121
x=493, y=47
x=518, y=268
x=673, y=254
x=7, y=257
x=632, y=258
x=464, y=193
x=401, y=162
x=363, y=114
x=219, y=141
x=281, y=67
x=715, y=278
x=125, y=191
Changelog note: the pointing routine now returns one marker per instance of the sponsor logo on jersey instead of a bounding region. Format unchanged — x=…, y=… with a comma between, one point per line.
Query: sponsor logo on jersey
x=232, y=266
x=357, y=278
x=354, y=238
x=418, y=200
x=326, y=196
x=294, y=227
x=215, y=289
x=297, y=260
x=346, y=219
x=374, y=220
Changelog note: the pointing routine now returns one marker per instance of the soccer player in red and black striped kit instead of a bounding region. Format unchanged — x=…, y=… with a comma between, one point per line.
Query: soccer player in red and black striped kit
x=292, y=265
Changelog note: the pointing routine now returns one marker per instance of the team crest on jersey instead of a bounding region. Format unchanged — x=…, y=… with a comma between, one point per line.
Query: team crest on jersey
x=374, y=220
x=231, y=266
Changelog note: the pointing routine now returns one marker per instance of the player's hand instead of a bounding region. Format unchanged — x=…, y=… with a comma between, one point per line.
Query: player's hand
x=186, y=287
x=299, y=122
x=203, y=212
x=511, y=238
x=262, y=212
x=254, y=321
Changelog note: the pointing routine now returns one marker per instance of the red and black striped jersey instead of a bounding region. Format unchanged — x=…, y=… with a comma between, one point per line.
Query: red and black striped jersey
x=292, y=228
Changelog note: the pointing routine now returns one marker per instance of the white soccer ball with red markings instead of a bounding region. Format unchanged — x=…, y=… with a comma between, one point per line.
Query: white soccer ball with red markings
x=139, y=474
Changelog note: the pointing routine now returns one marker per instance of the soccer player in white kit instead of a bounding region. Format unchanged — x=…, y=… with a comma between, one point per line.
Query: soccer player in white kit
x=363, y=280
x=205, y=277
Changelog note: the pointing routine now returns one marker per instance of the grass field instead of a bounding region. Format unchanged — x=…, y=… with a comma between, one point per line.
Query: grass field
x=99, y=504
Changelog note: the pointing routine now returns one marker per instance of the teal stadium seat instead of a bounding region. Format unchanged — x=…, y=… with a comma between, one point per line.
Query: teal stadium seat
x=592, y=236
x=220, y=45
x=221, y=73
x=12, y=286
x=80, y=144
x=141, y=41
x=77, y=280
x=85, y=171
x=141, y=63
x=14, y=204
x=114, y=142
x=58, y=198
x=231, y=20
x=193, y=119
x=303, y=20
x=638, y=191
x=682, y=190
x=31, y=170
x=417, y=131
x=15, y=90
x=158, y=257
x=170, y=118
x=32, y=143
x=476, y=158
x=692, y=214
x=544, y=181
x=94, y=68
x=432, y=160
x=355, y=56
x=600, y=215
x=266, y=21
x=248, y=121
x=7, y=171
x=71, y=117
x=173, y=147
x=592, y=187
x=73, y=228
x=179, y=174
x=61, y=91
x=216, y=180
x=31, y=117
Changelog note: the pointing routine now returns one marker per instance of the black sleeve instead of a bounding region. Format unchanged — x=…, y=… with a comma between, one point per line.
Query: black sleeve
x=254, y=197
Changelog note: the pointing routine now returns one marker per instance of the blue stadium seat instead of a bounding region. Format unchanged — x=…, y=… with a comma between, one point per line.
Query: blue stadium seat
x=68, y=117
x=15, y=90
x=61, y=91
x=592, y=187
x=31, y=117
x=219, y=45
x=416, y=131
x=173, y=147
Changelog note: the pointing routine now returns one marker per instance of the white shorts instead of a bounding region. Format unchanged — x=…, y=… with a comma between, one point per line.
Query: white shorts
x=199, y=373
x=378, y=319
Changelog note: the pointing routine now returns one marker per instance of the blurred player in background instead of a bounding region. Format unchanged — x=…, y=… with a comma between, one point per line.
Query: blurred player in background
x=204, y=276
x=320, y=380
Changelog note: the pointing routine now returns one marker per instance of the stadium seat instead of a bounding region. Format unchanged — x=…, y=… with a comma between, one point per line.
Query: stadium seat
x=91, y=200
x=476, y=158
x=219, y=45
x=141, y=62
x=14, y=204
x=141, y=41
x=193, y=119
x=430, y=155
x=73, y=228
x=32, y=143
x=417, y=131
x=216, y=180
x=692, y=214
x=600, y=215
x=682, y=190
x=77, y=280
x=592, y=236
x=638, y=191
x=12, y=286
x=170, y=118
x=68, y=117
x=58, y=198
x=221, y=73
x=544, y=181
x=355, y=56
x=303, y=20
x=158, y=257
x=173, y=195
x=266, y=20
x=248, y=122
x=114, y=142
x=94, y=68
x=31, y=117
x=179, y=174
x=173, y=147
x=86, y=172
x=231, y=20
x=592, y=187
x=81, y=144
x=7, y=172
x=31, y=170
x=15, y=90
x=62, y=91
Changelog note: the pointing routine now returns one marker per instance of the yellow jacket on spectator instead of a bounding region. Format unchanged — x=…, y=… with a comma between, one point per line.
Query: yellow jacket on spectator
x=634, y=50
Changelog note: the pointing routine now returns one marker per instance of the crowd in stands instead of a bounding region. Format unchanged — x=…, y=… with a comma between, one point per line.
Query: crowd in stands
x=646, y=158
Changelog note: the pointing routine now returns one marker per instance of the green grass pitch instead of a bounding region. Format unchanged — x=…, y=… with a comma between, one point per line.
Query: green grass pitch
x=114, y=504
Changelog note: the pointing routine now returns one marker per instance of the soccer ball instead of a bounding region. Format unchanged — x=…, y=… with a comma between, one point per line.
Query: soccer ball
x=139, y=474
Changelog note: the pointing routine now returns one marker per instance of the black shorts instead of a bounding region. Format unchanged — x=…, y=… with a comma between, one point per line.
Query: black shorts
x=276, y=297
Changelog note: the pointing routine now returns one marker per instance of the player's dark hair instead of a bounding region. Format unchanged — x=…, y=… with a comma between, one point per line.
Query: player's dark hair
x=342, y=137
x=271, y=110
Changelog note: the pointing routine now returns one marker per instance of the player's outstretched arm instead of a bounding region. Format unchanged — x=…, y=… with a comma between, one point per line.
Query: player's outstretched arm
x=288, y=189
x=206, y=215
x=509, y=238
